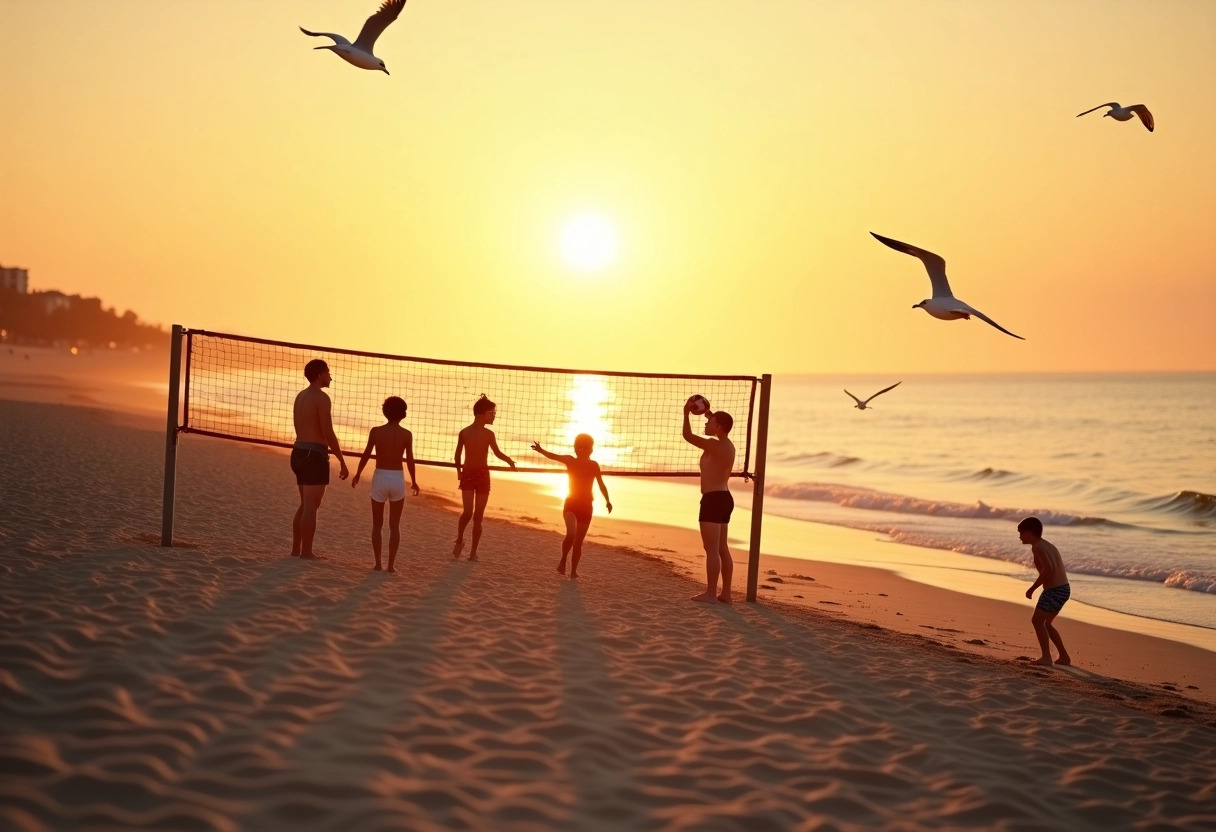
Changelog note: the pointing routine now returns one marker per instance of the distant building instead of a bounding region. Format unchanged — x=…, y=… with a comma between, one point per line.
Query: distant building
x=53, y=301
x=14, y=278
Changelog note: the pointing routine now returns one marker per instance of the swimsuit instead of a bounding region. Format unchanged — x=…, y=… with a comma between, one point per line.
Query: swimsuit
x=581, y=509
x=716, y=507
x=310, y=462
x=475, y=479
x=1052, y=600
x=388, y=485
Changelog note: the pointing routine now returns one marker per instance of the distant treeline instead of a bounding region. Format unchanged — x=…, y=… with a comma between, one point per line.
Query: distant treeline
x=55, y=318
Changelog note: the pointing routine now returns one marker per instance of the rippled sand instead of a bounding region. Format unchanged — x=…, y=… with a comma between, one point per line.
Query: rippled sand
x=228, y=686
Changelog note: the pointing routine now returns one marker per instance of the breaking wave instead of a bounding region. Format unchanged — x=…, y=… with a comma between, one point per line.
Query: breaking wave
x=1191, y=504
x=864, y=498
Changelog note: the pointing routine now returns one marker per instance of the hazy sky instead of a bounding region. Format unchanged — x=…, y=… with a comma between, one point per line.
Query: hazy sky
x=199, y=163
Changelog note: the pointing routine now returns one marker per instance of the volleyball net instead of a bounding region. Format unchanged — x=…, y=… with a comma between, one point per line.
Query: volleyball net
x=242, y=388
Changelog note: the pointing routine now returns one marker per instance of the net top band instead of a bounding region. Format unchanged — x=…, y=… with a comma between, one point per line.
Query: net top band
x=453, y=363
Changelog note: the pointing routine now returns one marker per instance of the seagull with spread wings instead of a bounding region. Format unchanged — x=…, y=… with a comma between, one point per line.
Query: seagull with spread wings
x=359, y=53
x=1124, y=113
x=943, y=305
x=861, y=405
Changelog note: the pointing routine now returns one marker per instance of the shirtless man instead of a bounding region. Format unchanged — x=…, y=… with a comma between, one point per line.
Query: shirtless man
x=392, y=444
x=476, y=440
x=717, y=460
x=313, y=414
x=1056, y=591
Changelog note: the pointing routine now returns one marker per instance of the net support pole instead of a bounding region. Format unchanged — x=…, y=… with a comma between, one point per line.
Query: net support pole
x=753, y=555
x=175, y=372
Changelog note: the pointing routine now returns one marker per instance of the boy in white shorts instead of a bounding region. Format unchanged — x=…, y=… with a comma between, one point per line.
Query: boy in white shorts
x=391, y=443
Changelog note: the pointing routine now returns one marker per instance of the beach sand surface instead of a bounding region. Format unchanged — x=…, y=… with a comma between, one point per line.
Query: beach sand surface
x=224, y=685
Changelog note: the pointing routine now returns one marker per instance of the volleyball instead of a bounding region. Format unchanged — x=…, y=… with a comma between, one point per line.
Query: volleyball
x=699, y=405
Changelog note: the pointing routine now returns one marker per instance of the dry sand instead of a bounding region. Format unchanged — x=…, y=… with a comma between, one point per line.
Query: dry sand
x=227, y=686
x=120, y=381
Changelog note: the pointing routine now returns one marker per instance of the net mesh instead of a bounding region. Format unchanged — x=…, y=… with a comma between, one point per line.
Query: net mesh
x=243, y=388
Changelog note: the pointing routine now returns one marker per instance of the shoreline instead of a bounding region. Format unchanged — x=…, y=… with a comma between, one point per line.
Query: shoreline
x=86, y=380
x=866, y=593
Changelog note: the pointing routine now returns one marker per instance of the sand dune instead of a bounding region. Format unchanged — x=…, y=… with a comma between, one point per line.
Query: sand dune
x=228, y=686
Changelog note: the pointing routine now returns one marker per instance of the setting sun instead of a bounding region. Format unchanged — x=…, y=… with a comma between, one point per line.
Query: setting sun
x=588, y=242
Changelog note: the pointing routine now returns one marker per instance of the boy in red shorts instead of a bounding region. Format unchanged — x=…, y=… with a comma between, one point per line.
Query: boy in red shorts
x=473, y=474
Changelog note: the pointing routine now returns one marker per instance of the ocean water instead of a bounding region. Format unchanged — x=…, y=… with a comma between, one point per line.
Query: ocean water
x=1121, y=469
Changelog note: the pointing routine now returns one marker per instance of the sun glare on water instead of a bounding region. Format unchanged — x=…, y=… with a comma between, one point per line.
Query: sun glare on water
x=589, y=242
x=590, y=404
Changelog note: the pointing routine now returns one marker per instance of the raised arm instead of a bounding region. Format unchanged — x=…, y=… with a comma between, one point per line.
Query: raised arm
x=327, y=425
x=599, y=477
x=409, y=460
x=563, y=458
x=367, y=454
x=700, y=441
x=498, y=453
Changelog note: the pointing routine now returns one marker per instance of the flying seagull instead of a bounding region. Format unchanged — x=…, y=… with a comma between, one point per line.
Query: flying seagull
x=861, y=405
x=359, y=53
x=943, y=305
x=1124, y=113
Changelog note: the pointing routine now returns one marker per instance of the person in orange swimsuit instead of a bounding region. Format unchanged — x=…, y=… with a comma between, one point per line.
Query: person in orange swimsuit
x=583, y=471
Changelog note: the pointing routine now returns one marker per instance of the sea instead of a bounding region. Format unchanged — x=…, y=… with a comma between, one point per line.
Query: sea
x=1120, y=468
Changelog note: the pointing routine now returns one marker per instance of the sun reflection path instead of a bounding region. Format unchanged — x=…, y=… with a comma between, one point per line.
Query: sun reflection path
x=591, y=410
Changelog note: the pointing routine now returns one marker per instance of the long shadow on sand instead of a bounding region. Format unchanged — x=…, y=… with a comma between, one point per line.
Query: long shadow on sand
x=600, y=756
x=334, y=787
x=262, y=690
x=959, y=714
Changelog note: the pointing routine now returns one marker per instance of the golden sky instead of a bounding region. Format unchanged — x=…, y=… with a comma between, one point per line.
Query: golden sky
x=199, y=163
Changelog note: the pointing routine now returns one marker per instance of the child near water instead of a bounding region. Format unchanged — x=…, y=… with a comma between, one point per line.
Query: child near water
x=1054, y=581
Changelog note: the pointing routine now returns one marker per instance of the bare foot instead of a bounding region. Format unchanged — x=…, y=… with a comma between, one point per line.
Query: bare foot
x=724, y=598
x=1064, y=659
x=707, y=597
x=561, y=568
x=377, y=568
x=392, y=570
x=313, y=557
x=456, y=549
x=1045, y=661
x=472, y=557
x=574, y=576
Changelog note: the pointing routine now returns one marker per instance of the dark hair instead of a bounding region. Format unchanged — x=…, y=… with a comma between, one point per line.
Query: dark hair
x=1033, y=525
x=314, y=368
x=584, y=438
x=725, y=420
x=482, y=405
x=393, y=408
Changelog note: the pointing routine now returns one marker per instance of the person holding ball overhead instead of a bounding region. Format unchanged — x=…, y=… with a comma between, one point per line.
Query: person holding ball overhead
x=717, y=460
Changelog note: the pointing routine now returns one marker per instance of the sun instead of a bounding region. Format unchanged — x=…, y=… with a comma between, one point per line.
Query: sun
x=589, y=242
